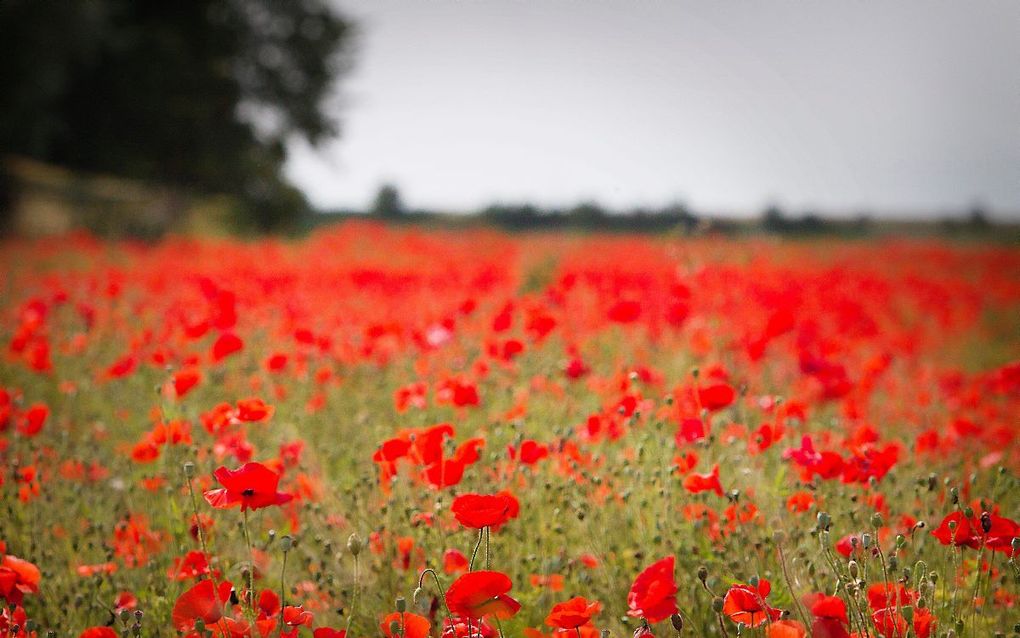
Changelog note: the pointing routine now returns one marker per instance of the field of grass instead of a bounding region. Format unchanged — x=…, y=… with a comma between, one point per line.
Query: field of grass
x=702, y=437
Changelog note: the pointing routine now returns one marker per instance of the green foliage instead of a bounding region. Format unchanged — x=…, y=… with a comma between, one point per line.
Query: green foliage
x=199, y=95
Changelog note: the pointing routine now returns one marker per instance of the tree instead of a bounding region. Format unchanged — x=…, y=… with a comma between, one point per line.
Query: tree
x=773, y=220
x=200, y=95
x=387, y=203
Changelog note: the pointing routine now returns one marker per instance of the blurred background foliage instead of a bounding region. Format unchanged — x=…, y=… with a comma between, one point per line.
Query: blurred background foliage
x=191, y=103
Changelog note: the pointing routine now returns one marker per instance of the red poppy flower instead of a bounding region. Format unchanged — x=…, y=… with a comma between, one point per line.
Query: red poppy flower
x=716, y=397
x=482, y=510
x=201, y=602
x=34, y=419
x=326, y=632
x=296, y=616
x=653, y=594
x=454, y=561
x=746, y=604
x=990, y=530
x=625, y=311
x=882, y=595
x=573, y=613
x=252, y=410
x=17, y=578
x=697, y=483
x=252, y=486
x=184, y=380
x=98, y=632
x=413, y=625
x=830, y=618
x=890, y=623
x=785, y=629
x=482, y=593
x=226, y=344
x=194, y=564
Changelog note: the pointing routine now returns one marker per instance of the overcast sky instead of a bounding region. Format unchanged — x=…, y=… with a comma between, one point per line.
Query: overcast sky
x=904, y=108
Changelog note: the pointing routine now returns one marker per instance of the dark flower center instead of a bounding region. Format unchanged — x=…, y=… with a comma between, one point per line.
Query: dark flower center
x=248, y=492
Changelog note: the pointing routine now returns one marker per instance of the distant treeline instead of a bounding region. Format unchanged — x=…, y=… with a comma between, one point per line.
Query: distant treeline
x=674, y=218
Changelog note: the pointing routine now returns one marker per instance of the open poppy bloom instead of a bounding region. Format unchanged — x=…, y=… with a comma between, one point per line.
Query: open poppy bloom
x=482, y=593
x=201, y=602
x=696, y=483
x=989, y=530
x=411, y=625
x=483, y=510
x=98, y=632
x=830, y=618
x=653, y=594
x=573, y=613
x=17, y=578
x=746, y=604
x=252, y=486
x=786, y=629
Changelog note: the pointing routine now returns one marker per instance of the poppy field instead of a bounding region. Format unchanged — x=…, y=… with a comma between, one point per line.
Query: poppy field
x=378, y=431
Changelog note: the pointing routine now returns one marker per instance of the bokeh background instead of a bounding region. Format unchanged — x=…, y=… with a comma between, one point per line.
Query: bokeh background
x=229, y=116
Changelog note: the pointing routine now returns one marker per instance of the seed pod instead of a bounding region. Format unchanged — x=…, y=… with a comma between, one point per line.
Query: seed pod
x=677, y=621
x=354, y=544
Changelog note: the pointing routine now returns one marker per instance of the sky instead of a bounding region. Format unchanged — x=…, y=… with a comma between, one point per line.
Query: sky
x=903, y=109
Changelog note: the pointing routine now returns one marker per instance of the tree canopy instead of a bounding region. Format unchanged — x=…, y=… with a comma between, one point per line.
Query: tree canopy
x=201, y=95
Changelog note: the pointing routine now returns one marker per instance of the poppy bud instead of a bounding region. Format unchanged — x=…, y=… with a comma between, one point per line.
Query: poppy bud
x=955, y=495
x=933, y=481
x=754, y=580
x=866, y=540
x=824, y=520
x=703, y=573
x=894, y=563
x=854, y=570
x=717, y=604
x=986, y=522
x=678, y=622
x=286, y=543
x=416, y=596
x=189, y=469
x=394, y=628
x=401, y=604
x=1015, y=544
x=354, y=544
x=933, y=577
x=876, y=520
x=968, y=512
x=900, y=541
